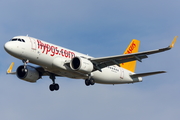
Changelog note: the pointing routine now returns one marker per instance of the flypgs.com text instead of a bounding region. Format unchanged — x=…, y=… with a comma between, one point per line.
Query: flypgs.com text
x=53, y=50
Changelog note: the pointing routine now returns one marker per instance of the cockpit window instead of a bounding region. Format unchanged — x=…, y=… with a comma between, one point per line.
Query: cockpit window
x=15, y=39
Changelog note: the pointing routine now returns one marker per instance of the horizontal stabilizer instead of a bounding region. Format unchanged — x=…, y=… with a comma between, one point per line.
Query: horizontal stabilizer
x=147, y=74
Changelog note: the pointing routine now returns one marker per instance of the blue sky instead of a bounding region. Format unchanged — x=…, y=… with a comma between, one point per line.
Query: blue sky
x=98, y=28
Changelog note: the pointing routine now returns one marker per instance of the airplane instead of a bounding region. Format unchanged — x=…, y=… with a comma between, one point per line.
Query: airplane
x=56, y=61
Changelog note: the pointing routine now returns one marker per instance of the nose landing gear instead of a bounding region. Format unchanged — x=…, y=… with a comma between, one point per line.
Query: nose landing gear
x=25, y=64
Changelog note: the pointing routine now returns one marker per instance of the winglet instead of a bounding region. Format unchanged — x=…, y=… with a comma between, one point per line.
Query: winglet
x=173, y=42
x=9, y=70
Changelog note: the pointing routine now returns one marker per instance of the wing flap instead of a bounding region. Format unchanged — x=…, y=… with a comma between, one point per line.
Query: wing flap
x=115, y=61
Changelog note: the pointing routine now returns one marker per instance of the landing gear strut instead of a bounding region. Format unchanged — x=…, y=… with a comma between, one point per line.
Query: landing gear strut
x=25, y=64
x=53, y=86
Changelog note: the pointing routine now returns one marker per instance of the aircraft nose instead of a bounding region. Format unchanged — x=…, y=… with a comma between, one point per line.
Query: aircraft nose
x=8, y=46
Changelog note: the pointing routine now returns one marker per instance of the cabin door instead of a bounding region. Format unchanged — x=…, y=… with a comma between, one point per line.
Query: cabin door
x=33, y=43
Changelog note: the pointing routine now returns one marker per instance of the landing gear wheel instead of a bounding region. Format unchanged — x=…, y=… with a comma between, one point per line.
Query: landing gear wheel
x=92, y=82
x=24, y=70
x=56, y=87
x=87, y=82
x=53, y=87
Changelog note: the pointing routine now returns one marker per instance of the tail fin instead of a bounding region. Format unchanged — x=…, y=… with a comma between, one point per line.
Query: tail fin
x=132, y=48
x=9, y=70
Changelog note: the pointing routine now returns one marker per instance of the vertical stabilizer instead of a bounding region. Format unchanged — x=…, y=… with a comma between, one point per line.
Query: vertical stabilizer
x=9, y=70
x=132, y=48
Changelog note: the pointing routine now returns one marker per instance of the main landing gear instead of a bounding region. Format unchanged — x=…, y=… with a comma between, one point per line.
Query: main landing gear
x=53, y=86
x=89, y=82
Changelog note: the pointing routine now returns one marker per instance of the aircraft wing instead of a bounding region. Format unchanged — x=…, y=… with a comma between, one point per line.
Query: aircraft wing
x=102, y=62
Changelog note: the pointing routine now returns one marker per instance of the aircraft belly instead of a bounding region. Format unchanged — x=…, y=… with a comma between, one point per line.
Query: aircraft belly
x=111, y=77
x=69, y=74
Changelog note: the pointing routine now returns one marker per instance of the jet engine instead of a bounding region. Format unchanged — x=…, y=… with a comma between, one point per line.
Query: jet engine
x=29, y=74
x=81, y=64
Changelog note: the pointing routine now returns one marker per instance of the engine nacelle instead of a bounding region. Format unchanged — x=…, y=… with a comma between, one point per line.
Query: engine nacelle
x=81, y=64
x=29, y=74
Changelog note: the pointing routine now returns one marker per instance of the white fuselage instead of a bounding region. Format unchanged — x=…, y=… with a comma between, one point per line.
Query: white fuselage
x=53, y=59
